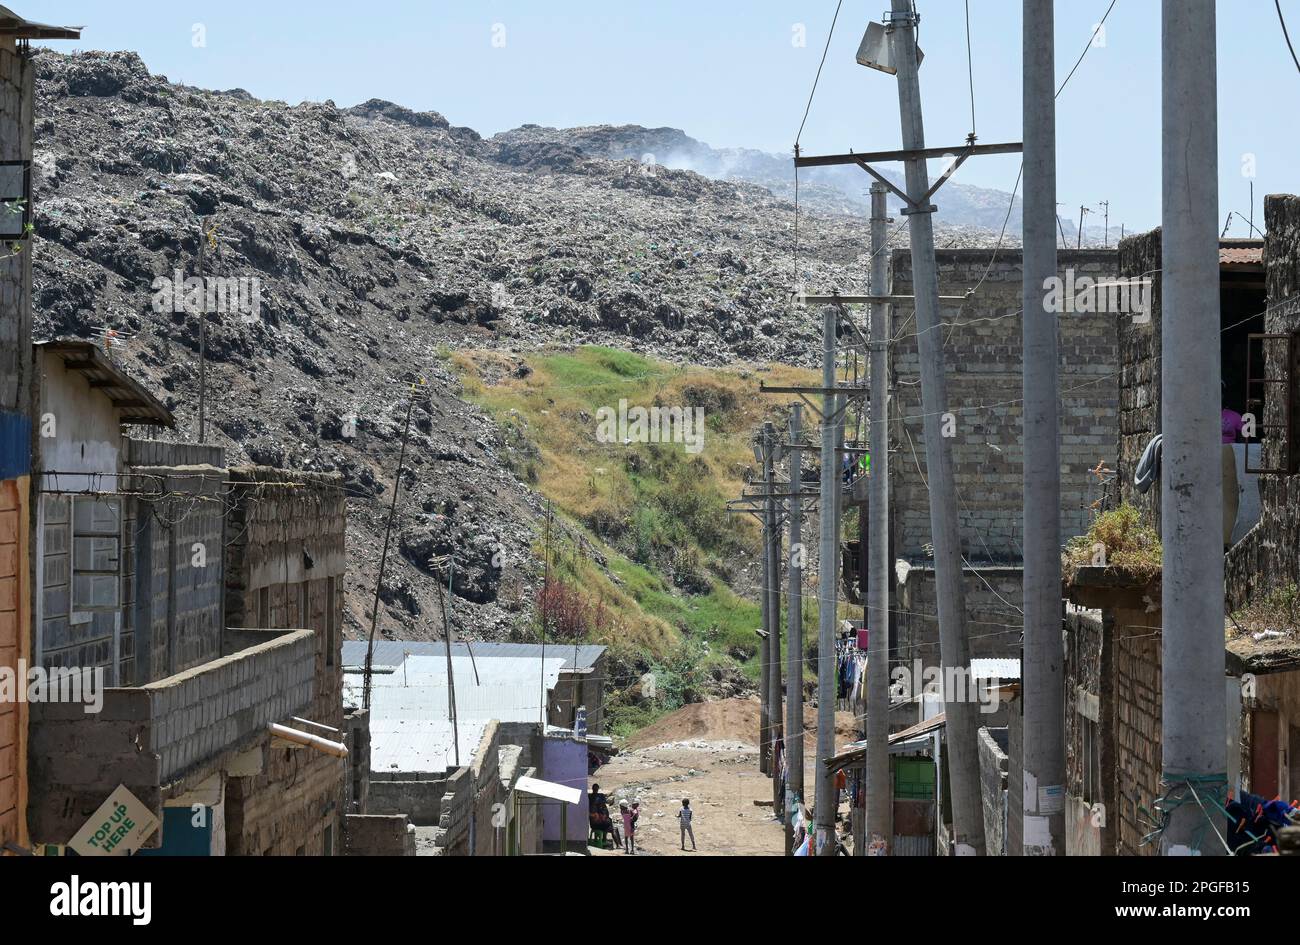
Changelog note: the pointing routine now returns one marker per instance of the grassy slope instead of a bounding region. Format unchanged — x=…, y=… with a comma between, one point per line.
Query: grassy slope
x=655, y=512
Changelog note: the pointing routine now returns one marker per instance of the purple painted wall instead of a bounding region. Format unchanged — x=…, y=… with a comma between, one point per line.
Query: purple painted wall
x=564, y=761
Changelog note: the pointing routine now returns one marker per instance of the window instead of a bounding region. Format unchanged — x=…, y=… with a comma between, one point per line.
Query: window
x=96, y=554
x=264, y=607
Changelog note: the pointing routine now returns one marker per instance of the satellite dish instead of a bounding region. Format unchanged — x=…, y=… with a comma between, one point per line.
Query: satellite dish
x=876, y=50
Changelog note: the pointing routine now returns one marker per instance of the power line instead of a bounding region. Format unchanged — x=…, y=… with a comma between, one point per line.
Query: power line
x=817, y=78
x=1285, y=35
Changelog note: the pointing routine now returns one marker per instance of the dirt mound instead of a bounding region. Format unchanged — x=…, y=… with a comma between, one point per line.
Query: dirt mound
x=730, y=720
x=726, y=720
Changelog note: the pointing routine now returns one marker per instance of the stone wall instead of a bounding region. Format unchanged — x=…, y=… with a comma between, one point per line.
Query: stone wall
x=1139, y=374
x=982, y=339
x=1268, y=557
x=1137, y=698
x=1089, y=722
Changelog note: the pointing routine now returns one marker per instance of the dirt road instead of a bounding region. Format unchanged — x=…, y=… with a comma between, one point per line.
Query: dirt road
x=716, y=766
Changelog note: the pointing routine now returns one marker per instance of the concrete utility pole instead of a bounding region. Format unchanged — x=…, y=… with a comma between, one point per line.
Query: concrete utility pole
x=203, y=336
x=794, y=632
x=828, y=566
x=764, y=652
x=772, y=556
x=879, y=799
x=1191, y=482
x=1044, y=719
x=963, y=759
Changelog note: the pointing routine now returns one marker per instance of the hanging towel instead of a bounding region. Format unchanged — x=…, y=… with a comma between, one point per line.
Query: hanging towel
x=1148, y=467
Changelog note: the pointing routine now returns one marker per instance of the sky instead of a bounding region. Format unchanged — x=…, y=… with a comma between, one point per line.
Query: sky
x=737, y=73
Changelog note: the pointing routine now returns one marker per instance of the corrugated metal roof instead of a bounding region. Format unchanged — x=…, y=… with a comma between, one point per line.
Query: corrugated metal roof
x=410, y=726
x=11, y=24
x=136, y=404
x=392, y=652
x=1241, y=252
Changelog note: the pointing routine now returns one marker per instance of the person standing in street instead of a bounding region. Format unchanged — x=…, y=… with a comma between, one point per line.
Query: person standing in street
x=684, y=818
x=629, y=827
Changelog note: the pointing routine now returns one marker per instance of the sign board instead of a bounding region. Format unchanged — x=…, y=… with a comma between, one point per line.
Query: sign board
x=119, y=828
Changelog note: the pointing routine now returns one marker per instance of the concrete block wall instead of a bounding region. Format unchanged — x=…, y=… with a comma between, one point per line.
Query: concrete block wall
x=204, y=710
x=174, y=729
x=1269, y=556
x=993, y=595
x=993, y=788
x=419, y=798
x=177, y=618
x=984, y=368
x=280, y=521
x=469, y=803
x=379, y=835
x=294, y=807
x=356, y=723
x=284, y=568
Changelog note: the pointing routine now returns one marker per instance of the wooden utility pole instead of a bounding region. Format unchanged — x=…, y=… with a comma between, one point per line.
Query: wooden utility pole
x=878, y=829
x=1194, y=759
x=383, y=556
x=961, y=710
x=1044, y=720
x=794, y=632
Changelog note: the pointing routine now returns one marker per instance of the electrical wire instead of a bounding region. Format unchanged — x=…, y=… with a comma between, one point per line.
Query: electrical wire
x=1285, y=35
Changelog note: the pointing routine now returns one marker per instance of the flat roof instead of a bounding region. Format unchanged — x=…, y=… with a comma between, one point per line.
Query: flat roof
x=410, y=715
x=393, y=652
x=127, y=395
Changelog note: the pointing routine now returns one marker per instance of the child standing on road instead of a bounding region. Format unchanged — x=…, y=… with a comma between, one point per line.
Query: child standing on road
x=684, y=818
x=629, y=827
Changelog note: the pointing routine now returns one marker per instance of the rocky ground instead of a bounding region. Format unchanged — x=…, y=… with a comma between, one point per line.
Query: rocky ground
x=382, y=239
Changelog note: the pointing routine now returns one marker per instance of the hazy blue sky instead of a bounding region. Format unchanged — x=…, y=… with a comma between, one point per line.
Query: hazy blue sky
x=731, y=74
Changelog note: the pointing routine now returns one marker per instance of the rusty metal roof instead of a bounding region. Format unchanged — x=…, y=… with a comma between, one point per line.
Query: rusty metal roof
x=136, y=404
x=11, y=24
x=1241, y=252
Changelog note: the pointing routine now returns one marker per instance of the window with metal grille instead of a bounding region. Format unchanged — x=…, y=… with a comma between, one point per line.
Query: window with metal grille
x=1271, y=398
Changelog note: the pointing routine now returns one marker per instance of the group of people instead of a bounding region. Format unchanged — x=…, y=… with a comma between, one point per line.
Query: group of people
x=604, y=824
